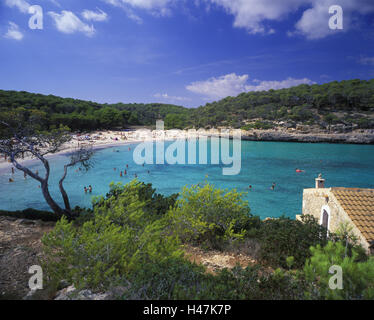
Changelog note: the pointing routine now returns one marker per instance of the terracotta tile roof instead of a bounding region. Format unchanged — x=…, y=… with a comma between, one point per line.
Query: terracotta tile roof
x=359, y=205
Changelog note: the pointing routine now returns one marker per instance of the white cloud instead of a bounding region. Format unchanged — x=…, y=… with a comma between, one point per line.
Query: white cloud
x=14, y=32
x=145, y=4
x=255, y=15
x=367, y=60
x=165, y=96
x=94, y=16
x=232, y=85
x=68, y=22
x=22, y=5
x=267, y=85
x=223, y=86
x=156, y=7
x=56, y=3
x=314, y=21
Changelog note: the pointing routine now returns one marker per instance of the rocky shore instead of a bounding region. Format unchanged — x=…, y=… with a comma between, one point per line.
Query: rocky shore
x=354, y=137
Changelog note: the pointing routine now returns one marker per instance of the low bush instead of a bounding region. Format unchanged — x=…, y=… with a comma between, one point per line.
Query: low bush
x=122, y=236
x=357, y=277
x=282, y=238
x=211, y=217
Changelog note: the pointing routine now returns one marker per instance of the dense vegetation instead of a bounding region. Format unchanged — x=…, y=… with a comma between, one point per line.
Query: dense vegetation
x=134, y=238
x=345, y=102
x=349, y=103
x=82, y=115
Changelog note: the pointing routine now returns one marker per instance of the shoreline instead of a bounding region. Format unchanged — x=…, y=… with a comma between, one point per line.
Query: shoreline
x=106, y=140
x=365, y=138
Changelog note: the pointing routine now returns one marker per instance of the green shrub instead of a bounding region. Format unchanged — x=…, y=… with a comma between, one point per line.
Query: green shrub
x=122, y=236
x=155, y=203
x=281, y=238
x=358, y=277
x=181, y=280
x=209, y=216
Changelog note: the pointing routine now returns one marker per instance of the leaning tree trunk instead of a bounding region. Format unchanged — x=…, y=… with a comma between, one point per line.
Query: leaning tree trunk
x=43, y=182
x=62, y=190
x=53, y=205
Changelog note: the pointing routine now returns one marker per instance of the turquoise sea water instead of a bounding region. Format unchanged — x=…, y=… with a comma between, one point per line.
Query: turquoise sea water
x=262, y=164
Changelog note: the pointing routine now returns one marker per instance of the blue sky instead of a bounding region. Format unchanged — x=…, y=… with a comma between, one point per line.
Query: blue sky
x=185, y=52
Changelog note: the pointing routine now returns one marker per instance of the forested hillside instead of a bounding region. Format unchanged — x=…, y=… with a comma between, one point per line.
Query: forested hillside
x=348, y=103
x=80, y=114
x=345, y=102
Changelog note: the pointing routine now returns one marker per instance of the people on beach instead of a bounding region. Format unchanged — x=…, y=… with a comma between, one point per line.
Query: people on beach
x=25, y=175
x=37, y=172
x=12, y=170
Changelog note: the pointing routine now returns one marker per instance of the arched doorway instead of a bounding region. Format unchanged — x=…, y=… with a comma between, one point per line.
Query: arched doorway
x=325, y=217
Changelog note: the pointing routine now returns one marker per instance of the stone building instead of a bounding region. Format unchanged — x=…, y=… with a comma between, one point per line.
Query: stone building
x=333, y=207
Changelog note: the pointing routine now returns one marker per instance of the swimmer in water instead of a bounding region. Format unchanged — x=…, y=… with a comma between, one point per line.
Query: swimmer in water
x=11, y=180
x=12, y=170
x=25, y=175
x=250, y=187
x=121, y=174
x=90, y=188
x=125, y=172
x=273, y=186
x=85, y=189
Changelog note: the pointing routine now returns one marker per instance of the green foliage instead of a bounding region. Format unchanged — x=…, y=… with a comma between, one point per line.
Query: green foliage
x=358, y=277
x=209, y=216
x=78, y=114
x=306, y=104
x=303, y=103
x=132, y=239
x=122, y=236
x=283, y=238
x=155, y=203
x=175, y=121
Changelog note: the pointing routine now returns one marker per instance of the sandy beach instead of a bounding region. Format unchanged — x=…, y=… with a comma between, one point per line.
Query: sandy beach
x=106, y=139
